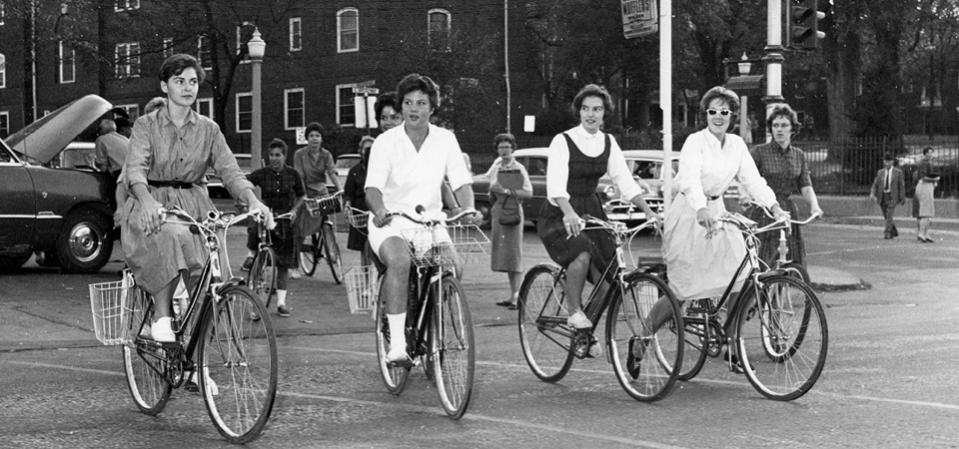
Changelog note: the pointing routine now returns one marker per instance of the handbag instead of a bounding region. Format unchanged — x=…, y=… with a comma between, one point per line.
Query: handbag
x=510, y=212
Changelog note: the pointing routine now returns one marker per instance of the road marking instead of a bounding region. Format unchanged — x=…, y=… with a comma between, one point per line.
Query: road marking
x=70, y=368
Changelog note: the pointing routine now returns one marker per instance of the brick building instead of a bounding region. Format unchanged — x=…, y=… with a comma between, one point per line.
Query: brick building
x=316, y=53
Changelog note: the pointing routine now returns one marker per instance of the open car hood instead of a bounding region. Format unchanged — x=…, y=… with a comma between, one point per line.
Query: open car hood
x=44, y=139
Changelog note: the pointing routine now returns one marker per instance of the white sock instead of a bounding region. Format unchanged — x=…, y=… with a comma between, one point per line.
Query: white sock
x=162, y=330
x=281, y=298
x=397, y=329
x=250, y=253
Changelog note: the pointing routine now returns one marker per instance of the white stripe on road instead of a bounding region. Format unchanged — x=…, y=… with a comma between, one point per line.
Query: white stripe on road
x=71, y=368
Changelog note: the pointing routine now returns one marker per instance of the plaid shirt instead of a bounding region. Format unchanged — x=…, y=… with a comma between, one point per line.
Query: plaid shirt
x=279, y=190
x=785, y=170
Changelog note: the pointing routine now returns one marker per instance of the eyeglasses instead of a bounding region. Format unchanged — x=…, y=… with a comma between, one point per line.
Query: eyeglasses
x=723, y=112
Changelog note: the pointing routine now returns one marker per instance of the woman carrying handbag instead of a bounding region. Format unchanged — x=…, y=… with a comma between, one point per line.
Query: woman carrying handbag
x=509, y=186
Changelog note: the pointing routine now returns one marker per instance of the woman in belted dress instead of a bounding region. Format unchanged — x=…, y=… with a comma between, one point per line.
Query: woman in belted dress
x=577, y=159
x=170, y=150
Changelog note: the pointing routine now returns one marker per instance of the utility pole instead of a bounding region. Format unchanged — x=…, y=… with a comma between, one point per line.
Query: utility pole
x=773, y=57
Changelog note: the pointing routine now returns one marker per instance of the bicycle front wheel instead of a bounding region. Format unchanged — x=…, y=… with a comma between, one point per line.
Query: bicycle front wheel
x=452, y=347
x=782, y=337
x=394, y=377
x=645, y=334
x=238, y=365
x=545, y=337
x=331, y=251
x=144, y=360
x=309, y=253
x=262, y=276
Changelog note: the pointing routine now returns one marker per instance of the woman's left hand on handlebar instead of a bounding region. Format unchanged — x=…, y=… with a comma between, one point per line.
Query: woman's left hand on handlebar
x=265, y=211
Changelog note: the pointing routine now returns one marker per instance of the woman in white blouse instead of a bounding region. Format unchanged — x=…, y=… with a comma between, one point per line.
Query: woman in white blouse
x=701, y=262
x=577, y=159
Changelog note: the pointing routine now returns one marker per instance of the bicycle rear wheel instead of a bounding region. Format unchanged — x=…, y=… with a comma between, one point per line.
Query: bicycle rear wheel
x=309, y=255
x=144, y=360
x=697, y=334
x=646, y=298
x=331, y=251
x=238, y=365
x=394, y=377
x=452, y=351
x=262, y=276
x=545, y=337
x=782, y=337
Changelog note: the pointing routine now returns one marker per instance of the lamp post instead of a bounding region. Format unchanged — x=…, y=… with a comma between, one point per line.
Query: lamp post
x=744, y=66
x=257, y=48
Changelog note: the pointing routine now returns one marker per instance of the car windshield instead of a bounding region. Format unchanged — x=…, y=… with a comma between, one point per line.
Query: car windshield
x=347, y=161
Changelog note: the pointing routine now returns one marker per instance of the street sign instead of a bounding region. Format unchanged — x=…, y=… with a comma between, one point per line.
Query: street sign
x=639, y=18
x=365, y=90
x=300, y=132
x=364, y=112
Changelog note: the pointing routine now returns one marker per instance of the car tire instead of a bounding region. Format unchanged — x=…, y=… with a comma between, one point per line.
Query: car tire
x=10, y=263
x=84, y=244
x=484, y=209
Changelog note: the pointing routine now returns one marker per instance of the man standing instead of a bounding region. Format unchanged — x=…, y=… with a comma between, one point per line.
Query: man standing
x=889, y=190
x=111, y=148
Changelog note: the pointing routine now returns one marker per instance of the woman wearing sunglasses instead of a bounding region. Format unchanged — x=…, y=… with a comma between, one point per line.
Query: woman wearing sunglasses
x=700, y=259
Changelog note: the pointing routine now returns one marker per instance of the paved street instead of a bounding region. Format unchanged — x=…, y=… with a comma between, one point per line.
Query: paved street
x=889, y=381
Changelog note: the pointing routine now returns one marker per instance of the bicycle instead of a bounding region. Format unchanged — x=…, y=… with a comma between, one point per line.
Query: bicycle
x=323, y=243
x=439, y=328
x=549, y=344
x=777, y=323
x=236, y=361
x=261, y=276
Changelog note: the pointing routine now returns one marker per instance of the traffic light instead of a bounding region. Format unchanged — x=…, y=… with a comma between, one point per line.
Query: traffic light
x=802, y=22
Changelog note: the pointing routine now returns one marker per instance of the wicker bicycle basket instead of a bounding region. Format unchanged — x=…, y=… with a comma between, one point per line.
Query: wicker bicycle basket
x=446, y=246
x=110, y=304
x=326, y=205
x=361, y=288
x=357, y=218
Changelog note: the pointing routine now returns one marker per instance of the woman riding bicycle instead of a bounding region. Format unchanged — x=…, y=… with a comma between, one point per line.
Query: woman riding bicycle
x=282, y=190
x=315, y=166
x=577, y=159
x=169, y=153
x=407, y=165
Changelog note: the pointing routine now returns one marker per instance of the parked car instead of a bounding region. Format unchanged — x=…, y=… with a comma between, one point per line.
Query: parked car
x=344, y=163
x=214, y=184
x=65, y=214
x=646, y=166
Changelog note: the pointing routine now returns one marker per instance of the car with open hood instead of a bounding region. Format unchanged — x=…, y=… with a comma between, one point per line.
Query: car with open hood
x=64, y=214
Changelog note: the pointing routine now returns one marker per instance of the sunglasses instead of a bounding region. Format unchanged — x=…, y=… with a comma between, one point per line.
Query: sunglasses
x=723, y=112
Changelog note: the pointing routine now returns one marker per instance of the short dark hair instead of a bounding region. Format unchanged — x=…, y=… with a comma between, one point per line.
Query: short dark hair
x=384, y=100
x=888, y=157
x=176, y=64
x=926, y=150
x=314, y=126
x=593, y=90
x=277, y=143
x=504, y=137
x=423, y=83
x=783, y=110
x=725, y=94
x=122, y=122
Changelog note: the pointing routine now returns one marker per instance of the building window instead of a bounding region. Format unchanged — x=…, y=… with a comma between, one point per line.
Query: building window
x=204, y=52
x=67, y=63
x=126, y=5
x=439, y=29
x=296, y=34
x=4, y=124
x=244, y=112
x=204, y=107
x=3, y=71
x=348, y=30
x=127, y=60
x=132, y=110
x=167, y=50
x=295, y=106
x=345, y=109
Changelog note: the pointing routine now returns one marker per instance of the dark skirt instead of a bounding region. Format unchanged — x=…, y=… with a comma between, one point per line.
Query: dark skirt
x=599, y=244
x=769, y=241
x=356, y=240
x=284, y=243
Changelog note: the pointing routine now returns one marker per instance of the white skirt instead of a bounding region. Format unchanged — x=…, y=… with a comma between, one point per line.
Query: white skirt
x=698, y=267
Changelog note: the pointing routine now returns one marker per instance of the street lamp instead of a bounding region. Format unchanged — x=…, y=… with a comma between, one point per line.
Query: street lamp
x=744, y=65
x=257, y=48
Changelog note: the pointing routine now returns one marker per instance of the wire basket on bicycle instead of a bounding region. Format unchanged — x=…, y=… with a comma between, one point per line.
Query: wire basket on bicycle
x=324, y=205
x=445, y=246
x=110, y=305
x=357, y=218
x=361, y=288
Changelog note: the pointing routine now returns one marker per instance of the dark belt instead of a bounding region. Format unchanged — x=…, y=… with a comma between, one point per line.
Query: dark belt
x=173, y=184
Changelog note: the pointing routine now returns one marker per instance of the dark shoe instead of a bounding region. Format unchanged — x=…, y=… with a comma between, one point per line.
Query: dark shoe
x=284, y=311
x=254, y=317
x=505, y=303
x=512, y=306
x=247, y=264
x=887, y=236
x=928, y=240
x=633, y=359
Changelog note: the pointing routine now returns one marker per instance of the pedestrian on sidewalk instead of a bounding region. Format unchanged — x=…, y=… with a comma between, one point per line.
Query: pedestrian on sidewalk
x=282, y=191
x=923, y=204
x=785, y=170
x=889, y=190
x=509, y=186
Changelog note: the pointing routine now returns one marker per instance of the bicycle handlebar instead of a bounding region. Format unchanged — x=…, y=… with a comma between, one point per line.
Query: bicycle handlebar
x=620, y=227
x=432, y=222
x=213, y=221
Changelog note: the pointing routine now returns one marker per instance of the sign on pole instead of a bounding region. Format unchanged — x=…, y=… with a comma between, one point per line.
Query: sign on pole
x=363, y=101
x=639, y=18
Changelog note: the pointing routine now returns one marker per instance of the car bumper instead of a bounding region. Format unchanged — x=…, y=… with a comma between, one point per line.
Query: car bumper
x=619, y=210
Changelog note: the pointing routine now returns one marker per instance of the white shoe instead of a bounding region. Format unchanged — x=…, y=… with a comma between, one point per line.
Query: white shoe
x=161, y=330
x=579, y=320
x=210, y=384
x=397, y=355
x=295, y=274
